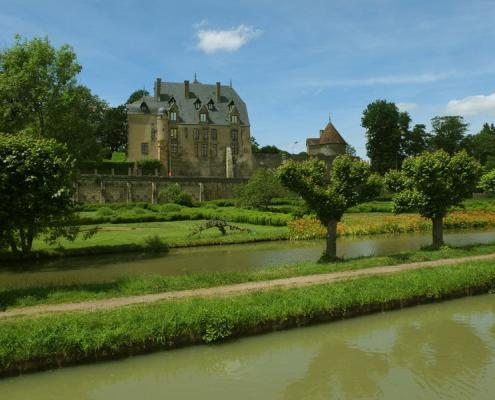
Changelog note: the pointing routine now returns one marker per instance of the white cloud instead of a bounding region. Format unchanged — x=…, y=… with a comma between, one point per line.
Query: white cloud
x=473, y=105
x=407, y=106
x=382, y=80
x=211, y=41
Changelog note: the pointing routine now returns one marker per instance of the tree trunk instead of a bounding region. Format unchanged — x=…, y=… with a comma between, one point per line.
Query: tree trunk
x=331, y=251
x=437, y=232
x=13, y=245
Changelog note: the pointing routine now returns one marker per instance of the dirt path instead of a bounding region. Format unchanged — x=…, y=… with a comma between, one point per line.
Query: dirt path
x=237, y=289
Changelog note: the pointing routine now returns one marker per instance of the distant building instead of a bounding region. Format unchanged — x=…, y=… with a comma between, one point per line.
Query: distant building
x=329, y=144
x=194, y=129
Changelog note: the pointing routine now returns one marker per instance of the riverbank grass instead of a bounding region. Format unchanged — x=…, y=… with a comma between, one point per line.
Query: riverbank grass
x=58, y=339
x=133, y=286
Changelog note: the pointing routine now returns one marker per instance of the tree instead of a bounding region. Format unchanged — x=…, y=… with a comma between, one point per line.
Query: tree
x=448, y=133
x=415, y=142
x=255, y=146
x=482, y=145
x=349, y=182
x=261, y=188
x=112, y=133
x=432, y=183
x=34, y=79
x=487, y=182
x=381, y=120
x=350, y=150
x=36, y=186
x=137, y=95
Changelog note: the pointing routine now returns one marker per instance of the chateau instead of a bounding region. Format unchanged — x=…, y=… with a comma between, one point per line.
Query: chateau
x=194, y=129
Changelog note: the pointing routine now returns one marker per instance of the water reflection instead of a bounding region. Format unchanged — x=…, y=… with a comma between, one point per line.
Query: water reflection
x=442, y=351
x=246, y=257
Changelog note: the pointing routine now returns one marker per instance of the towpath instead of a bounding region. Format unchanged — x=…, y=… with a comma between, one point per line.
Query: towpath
x=236, y=289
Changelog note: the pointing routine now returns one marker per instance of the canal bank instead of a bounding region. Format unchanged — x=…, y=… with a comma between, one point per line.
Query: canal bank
x=29, y=344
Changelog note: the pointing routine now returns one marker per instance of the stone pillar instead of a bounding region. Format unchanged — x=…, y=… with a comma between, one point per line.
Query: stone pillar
x=102, y=192
x=129, y=192
x=229, y=163
x=201, y=195
x=129, y=171
x=153, y=193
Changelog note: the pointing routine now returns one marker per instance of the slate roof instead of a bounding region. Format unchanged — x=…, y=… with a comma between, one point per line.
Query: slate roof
x=330, y=135
x=187, y=112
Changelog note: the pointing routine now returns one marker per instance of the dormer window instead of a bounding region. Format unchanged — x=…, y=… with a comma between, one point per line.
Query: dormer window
x=211, y=105
x=197, y=104
x=202, y=117
x=173, y=116
x=231, y=105
x=234, y=119
x=144, y=107
x=171, y=101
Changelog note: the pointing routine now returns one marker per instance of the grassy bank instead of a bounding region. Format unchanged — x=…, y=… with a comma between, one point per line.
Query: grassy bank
x=37, y=295
x=60, y=339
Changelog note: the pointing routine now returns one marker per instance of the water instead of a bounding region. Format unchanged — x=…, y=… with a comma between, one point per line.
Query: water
x=439, y=351
x=245, y=257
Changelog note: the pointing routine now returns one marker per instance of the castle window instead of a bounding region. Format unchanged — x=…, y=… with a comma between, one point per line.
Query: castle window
x=234, y=119
x=196, y=134
x=153, y=134
x=173, y=116
x=204, y=149
x=231, y=105
x=202, y=117
x=144, y=107
x=234, y=135
x=173, y=133
x=211, y=104
x=197, y=104
x=144, y=148
x=205, y=135
x=235, y=148
x=214, y=135
x=173, y=148
x=196, y=149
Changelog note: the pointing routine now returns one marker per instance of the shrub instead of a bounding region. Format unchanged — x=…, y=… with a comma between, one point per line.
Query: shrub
x=149, y=164
x=155, y=244
x=170, y=207
x=487, y=182
x=104, y=211
x=261, y=188
x=174, y=194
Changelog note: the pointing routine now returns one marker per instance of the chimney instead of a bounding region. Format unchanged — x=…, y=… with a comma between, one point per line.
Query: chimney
x=186, y=89
x=218, y=92
x=158, y=87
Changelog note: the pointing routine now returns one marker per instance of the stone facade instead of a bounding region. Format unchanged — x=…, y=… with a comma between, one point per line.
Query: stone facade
x=189, y=127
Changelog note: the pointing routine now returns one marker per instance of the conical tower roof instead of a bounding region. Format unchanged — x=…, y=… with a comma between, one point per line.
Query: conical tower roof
x=331, y=135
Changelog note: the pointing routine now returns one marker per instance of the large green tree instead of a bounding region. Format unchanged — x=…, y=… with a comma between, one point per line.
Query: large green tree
x=384, y=124
x=431, y=183
x=36, y=187
x=113, y=129
x=34, y=79
x=482, y=145
x=448, y=133
x=415, y=141
x=330, y=193
x=137, y=95
x=261, y=188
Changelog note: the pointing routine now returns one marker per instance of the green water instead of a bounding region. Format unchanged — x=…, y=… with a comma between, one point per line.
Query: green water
x=245, y=257
x=440, y=351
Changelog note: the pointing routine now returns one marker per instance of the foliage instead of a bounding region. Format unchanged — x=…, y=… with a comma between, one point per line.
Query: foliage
x=155, y=244
x=149, y=164
x=255, y=146
x=261, y=188
x=113, y=129
x=269, y=149
x=59, y=338
x=448, y=133
x=220, y=224
x=173, y=193
x=487, y=182
x=381, y=120
x=118, y=156
x=349, y=183
x=36, y=184
x=137, y=95
x=416, y=141
x=350, y=150
x=432, y=183
x=482, y=145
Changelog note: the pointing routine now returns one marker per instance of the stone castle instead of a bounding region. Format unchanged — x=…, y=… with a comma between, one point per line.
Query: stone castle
x=203, y=130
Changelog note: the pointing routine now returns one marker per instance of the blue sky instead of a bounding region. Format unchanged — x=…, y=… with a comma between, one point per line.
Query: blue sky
x=293, y=62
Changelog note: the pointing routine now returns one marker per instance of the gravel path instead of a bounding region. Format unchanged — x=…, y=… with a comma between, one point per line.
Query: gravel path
x=298, y=281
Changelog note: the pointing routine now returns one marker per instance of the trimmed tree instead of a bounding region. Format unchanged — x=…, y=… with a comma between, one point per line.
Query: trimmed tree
x=261, y=188
x=330, y=193
x=431, y=184
x=36, y=186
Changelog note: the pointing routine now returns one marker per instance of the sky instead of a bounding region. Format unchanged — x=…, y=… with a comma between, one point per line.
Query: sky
x=296, y=64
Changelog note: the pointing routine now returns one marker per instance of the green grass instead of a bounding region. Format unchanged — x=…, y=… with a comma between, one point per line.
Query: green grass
x=56, y=339
x=36, y=295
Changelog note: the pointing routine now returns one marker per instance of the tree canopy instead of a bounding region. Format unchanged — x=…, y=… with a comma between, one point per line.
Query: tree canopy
x=431, y=183
x=137, y=95
x=448, y=133
x=330, y=194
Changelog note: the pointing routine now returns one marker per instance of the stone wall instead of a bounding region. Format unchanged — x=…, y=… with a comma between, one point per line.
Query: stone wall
x=126, y=189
